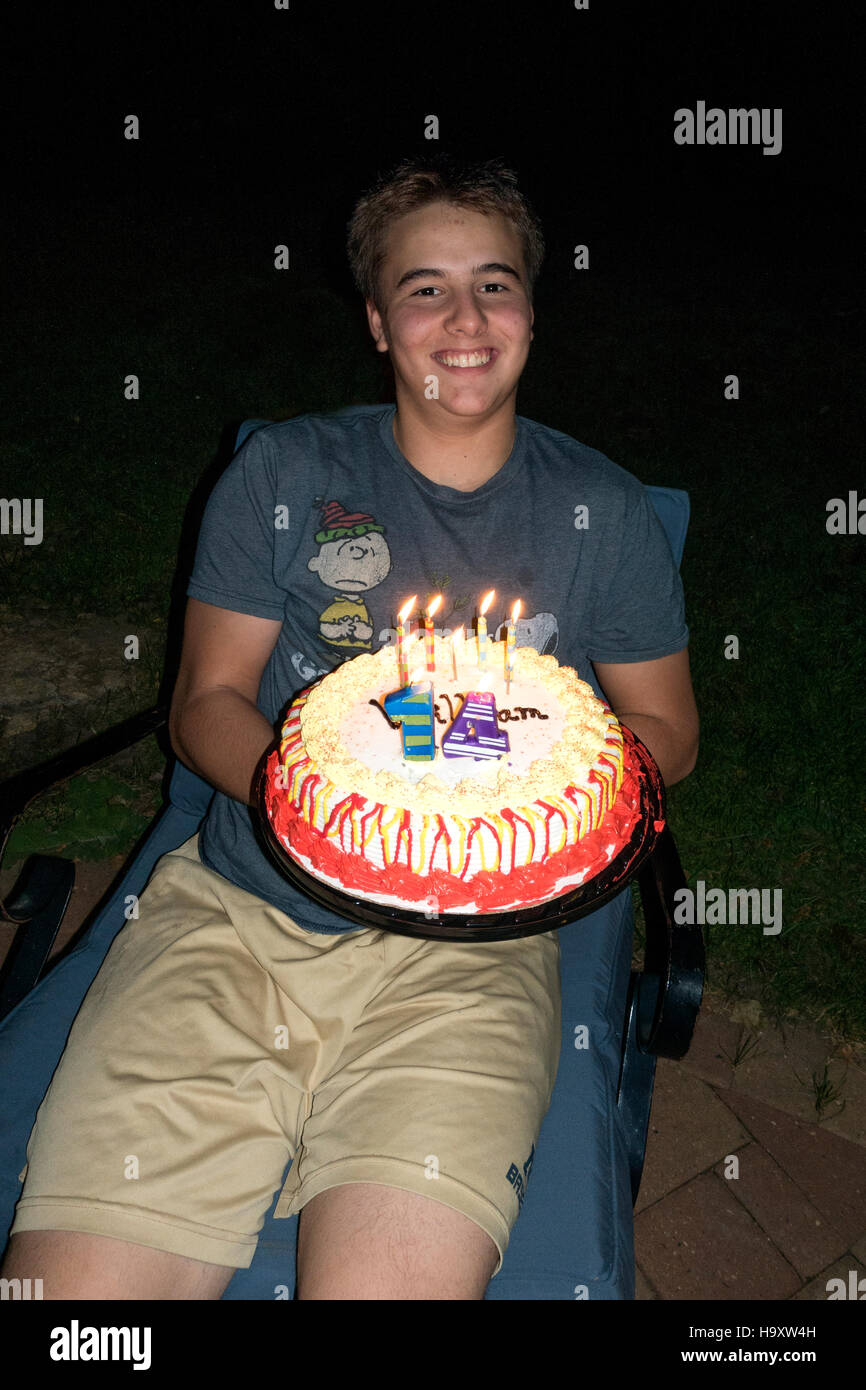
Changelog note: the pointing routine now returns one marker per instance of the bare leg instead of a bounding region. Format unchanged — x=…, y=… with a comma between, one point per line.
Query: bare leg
x=74, y=1265
x=367, y=1241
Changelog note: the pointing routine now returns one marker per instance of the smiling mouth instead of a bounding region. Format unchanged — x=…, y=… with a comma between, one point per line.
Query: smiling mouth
x=479, y=358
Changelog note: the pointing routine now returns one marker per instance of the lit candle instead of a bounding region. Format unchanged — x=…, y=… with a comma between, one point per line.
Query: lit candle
x=413, y=707
x=510, y=643
x=457, y=635
x=428, y=633
x=402, y=659
x=481, y=629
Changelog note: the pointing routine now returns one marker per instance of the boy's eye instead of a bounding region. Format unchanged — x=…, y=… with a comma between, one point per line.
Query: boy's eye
x=428, y=290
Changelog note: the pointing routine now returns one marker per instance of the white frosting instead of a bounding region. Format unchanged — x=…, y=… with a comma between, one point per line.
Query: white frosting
x=374, y=743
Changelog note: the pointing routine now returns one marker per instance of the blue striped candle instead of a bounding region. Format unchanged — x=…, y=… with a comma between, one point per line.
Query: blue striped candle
x=413, y=706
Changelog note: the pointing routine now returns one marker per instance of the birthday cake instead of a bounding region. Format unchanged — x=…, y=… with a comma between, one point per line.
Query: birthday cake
x=463, y=791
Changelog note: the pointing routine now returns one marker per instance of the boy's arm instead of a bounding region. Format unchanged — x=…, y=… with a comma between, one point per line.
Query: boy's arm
x=215, y=724
x=656, y=701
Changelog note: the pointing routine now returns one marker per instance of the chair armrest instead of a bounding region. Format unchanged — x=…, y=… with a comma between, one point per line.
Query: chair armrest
x=18, y=791
x=40, y=899
x=670, y=987
x=41, y=896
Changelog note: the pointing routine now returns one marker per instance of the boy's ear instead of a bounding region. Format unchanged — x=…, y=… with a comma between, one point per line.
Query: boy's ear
x=377, y=327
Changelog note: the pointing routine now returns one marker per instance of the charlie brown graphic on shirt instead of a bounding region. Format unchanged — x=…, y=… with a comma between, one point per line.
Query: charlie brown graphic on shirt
x=353, y=558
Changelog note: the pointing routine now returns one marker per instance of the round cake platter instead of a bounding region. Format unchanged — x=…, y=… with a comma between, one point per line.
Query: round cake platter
x=568, y=907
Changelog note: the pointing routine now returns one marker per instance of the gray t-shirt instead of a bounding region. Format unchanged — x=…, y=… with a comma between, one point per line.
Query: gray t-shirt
x=322, y=523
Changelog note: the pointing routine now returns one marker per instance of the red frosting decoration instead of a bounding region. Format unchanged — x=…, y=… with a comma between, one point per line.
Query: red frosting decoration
x=489, y=891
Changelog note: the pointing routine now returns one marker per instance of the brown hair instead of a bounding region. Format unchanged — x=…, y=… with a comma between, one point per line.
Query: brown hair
x=485, y=187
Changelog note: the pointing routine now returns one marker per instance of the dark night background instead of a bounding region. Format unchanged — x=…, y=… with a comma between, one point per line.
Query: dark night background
x=261, y=127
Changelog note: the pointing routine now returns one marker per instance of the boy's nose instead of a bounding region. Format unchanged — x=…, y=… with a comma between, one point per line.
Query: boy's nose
x=465, y=312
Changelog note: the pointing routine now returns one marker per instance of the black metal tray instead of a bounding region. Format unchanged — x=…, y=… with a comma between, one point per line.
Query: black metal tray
x=491, y=926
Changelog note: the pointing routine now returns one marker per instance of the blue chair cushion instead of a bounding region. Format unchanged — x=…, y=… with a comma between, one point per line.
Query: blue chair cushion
x=188, y=793
x=673, y=509
x=574, y=1237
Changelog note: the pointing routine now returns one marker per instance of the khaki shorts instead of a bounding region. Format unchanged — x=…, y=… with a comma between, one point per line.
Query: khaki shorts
x=220, y=1040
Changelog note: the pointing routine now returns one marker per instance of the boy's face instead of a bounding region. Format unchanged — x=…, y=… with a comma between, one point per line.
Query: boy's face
x=454, y=305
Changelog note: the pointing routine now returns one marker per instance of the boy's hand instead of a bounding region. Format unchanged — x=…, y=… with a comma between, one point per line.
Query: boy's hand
x=656, y=701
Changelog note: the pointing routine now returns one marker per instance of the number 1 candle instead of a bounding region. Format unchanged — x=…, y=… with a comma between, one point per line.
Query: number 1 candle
x=402, y=658
x=413, y=707
x=428, y=632
x=481, y=629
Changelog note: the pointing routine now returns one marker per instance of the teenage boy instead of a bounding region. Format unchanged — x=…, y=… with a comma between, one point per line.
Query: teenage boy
x=400, y=1053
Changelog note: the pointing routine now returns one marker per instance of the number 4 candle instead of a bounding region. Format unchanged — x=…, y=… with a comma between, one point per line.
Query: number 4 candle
x=475, y=733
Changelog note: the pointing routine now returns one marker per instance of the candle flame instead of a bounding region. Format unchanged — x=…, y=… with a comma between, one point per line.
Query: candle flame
x=406, y=609
x=434, y=604
x=486, y=602
x=515, y=612
x=483, y=682
x=457, y=633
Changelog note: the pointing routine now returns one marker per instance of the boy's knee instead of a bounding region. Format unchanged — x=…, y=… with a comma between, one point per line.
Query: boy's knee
x=78, y=1265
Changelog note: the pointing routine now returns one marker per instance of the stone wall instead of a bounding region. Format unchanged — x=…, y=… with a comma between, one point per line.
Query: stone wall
x=62, y=681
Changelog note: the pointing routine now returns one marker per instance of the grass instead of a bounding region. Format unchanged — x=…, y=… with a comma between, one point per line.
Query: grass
x=777, y=800
x=94, y=817
x=826, y=1094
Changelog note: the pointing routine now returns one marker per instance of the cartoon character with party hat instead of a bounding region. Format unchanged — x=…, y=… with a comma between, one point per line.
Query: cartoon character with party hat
x=353, y=558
